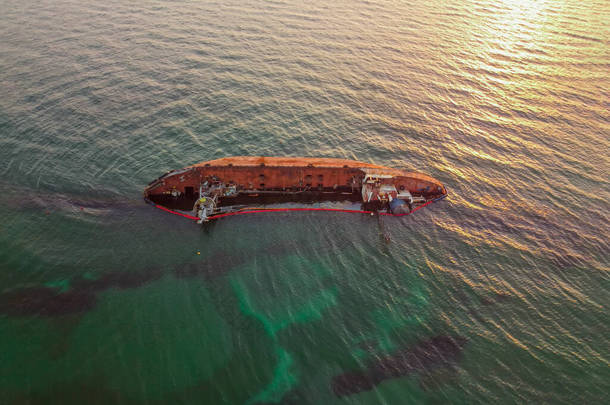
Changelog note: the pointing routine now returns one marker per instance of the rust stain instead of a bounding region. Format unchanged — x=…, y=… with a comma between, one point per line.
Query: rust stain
x=287, y=173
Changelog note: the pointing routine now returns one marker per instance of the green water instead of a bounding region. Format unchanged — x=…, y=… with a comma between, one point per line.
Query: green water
x=505, y=102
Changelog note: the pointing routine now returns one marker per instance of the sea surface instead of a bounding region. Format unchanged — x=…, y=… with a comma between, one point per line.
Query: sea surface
x=498, y=294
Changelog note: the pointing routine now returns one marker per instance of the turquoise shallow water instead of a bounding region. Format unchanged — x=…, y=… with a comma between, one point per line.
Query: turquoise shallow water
x=497, y=294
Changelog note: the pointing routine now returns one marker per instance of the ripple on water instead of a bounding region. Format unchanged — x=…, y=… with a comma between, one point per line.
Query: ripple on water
x=505, y=104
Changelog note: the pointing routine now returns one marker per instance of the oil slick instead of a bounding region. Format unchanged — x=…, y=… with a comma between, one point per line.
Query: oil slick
x=424, y=356
x=122, y=280
x=45, y=302
x=81, y=297
x=82, y=294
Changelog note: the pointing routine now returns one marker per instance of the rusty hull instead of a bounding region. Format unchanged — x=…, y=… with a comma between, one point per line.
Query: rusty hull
x=318, y=178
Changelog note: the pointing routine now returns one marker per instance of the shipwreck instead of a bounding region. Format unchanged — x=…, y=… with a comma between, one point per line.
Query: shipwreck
x=246, y=184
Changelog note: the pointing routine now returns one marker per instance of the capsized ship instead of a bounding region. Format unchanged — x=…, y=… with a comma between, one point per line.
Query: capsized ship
x=214, y=188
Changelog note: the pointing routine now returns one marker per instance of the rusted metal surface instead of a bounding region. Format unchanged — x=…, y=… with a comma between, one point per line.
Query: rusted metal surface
x=264, y=180
x=273, y=173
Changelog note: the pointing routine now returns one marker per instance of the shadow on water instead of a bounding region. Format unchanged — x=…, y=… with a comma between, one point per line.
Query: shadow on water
x=427, y=355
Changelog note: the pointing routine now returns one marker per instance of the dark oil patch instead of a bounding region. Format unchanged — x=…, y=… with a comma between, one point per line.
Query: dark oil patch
x=82, y=296
x=424, y=356
x=117, y=279
x=44, y=301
